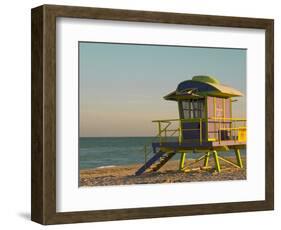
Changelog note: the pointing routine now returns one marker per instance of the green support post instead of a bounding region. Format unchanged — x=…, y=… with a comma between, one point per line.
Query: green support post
x=238, y=158
x=217, y=163
x=206, y=161
x=182, y=160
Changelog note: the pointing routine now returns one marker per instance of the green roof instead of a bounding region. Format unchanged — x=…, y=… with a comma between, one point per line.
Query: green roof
x=208, y=86
x=205, y=79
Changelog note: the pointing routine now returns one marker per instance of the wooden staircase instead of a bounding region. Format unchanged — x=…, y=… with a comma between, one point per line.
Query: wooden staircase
x=153, y=164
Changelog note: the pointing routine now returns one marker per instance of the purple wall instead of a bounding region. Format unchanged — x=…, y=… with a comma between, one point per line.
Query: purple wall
x=216, y=108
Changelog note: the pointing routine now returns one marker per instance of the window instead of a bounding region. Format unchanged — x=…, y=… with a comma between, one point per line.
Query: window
x=193, y=108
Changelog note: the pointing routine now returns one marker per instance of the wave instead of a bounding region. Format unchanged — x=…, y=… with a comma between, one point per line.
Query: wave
x=107, y=166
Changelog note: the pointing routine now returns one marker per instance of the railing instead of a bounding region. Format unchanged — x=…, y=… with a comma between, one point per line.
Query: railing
x=229, y=128
x=223, y=129
x=164, y=132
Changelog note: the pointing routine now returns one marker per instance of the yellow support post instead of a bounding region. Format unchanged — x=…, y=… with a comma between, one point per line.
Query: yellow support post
x=182, y=161
x=238, y=158
x=159, y=132
x=145, y=154
x=180, y=132
x=206, y=161
x=217, y=163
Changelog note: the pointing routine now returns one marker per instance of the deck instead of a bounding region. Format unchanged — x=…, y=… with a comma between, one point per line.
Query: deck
x=197, y=145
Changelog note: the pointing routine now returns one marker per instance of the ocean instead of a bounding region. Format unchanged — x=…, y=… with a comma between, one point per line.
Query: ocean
x=97, y=152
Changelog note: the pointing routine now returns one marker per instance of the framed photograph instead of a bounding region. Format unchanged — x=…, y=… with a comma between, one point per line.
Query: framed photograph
x=140, y=114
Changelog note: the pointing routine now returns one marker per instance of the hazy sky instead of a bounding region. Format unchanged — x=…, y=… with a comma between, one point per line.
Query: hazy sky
x=122, y=86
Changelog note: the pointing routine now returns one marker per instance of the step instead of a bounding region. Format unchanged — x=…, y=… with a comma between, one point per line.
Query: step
x=150, y=162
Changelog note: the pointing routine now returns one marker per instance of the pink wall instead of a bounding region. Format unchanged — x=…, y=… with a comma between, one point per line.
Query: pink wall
x=222, y=110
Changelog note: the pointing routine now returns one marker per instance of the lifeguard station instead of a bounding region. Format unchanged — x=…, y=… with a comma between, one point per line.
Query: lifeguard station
x=205, y=125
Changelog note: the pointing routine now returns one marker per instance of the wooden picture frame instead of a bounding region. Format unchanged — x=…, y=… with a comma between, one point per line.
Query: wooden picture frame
x=43, y=189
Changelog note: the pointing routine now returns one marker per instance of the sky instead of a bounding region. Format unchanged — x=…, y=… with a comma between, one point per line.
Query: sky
x=121, y=86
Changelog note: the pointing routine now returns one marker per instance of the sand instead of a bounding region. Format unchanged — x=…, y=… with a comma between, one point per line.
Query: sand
x=169, y=173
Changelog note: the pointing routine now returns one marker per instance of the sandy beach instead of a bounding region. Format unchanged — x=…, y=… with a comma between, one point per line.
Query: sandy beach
x=169, y=173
